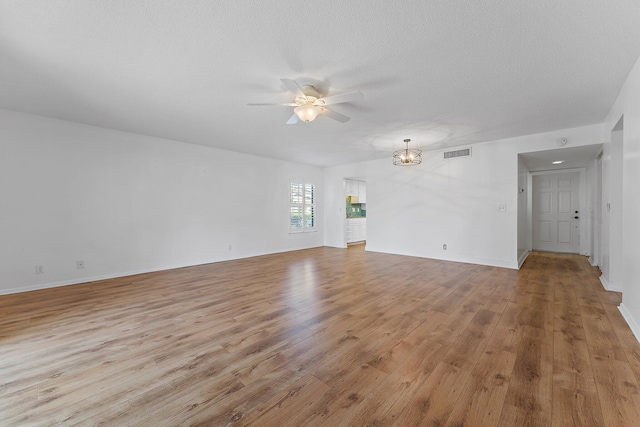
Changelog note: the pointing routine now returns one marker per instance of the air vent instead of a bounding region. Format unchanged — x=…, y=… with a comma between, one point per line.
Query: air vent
x=457, y=153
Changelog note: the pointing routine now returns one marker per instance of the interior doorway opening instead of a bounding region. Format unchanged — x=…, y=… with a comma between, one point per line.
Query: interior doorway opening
x=576, y=234
x=611, y=208
x=355, y=199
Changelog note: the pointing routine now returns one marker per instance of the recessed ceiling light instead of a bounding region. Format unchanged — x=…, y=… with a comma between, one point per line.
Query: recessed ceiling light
x=557, y=162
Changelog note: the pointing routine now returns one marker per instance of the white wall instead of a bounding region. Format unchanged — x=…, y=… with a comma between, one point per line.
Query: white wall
x=415, y=210
x=628, y=269
x=128, y=203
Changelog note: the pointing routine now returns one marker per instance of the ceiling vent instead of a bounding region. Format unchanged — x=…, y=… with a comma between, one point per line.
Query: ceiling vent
x=457, y=153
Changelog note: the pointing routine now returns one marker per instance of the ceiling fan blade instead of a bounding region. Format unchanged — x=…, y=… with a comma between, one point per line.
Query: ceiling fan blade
x=335, y=116
x=293, y=120
x=294, y=88
x=260, y=104
x=342, y=97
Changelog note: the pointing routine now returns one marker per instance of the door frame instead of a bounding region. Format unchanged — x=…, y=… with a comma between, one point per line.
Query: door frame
x=595, y=258
x=361, y=178
x=583, y=229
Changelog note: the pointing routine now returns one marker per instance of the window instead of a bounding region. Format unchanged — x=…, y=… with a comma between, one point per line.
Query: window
x=302, y=216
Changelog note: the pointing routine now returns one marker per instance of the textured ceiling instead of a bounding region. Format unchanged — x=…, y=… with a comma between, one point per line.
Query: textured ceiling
x=441, y=72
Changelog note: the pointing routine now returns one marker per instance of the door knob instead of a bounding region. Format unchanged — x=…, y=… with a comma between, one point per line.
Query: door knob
x=576, y=217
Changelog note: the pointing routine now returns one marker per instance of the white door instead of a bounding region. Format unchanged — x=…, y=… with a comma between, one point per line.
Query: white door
x=555, y=212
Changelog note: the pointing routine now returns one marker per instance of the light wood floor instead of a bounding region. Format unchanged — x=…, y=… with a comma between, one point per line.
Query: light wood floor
x=325, y=336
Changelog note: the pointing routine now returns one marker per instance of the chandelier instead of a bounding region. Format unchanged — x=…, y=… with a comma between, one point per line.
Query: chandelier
x=408, y=156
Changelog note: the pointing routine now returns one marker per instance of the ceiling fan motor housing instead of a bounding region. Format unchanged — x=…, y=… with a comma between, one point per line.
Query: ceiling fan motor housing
x=310, y=90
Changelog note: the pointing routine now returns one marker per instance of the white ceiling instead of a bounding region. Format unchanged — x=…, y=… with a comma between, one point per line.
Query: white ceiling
x=441, y=72
x=572, y=157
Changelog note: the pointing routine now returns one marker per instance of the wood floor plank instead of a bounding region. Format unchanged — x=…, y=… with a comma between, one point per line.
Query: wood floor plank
x=480, y=402
x=470, y=345
x=451, y=328
x=292, y=405
x=576, y=408
x=233, y=408
x=528, y=400
x=325, y=337
x=571, y=363
x=385, y=404
x=618, y=391
x=345, y=395
x=370, y=349
x=628, y=341
x=602, y=338
x=434, y=400
x=508, y=331
x=502, y=293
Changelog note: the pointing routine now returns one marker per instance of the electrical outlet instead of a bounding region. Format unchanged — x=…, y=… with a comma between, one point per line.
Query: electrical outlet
x=39, y=269
x=229, y=247
x=80, y=265
x=444, y=247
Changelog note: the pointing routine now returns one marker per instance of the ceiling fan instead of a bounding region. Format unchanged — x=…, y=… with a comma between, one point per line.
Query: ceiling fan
x=309, y=103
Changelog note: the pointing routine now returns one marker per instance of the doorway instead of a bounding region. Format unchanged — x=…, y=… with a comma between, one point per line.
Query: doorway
x=580, y=160
x=355, y=231
x=612, y=255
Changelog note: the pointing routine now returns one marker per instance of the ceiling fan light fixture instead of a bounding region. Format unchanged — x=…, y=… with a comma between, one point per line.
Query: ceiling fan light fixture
x=407, y=156
x=308, y=103
x=307, y=113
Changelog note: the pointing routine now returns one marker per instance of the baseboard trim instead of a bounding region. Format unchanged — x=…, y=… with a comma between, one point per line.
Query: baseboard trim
x=466, y=260
x=593, y=264
x=604, y=282
x=631, y=321
x=70, y=282
x=50, y=285
x=607, y=286
x=523, y=258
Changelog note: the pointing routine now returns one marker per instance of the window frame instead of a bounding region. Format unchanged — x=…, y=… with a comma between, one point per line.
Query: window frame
x=303, y=205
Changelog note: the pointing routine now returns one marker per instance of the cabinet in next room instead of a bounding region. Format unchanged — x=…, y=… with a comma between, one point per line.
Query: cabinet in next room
x=356, y=230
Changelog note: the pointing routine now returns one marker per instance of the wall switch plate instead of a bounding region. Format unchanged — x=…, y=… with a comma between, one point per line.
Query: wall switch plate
x=79, y=265
x=39, y=269
x=444, y=247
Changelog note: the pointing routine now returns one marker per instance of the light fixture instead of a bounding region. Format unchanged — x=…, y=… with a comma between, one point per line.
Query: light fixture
x=558, y=162
x=308, y=112
x=408, y=156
